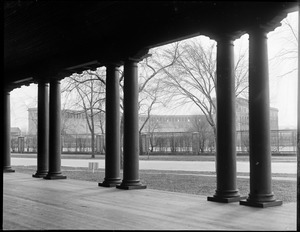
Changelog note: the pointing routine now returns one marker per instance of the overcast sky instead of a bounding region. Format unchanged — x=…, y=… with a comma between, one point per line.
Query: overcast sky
x=283, y=89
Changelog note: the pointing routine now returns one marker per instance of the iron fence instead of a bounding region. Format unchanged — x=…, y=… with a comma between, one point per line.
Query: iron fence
x=282, y=141
x=70, y=143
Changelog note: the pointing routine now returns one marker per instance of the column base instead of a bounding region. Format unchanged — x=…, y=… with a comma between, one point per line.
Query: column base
x=129, y=185
x=226, y=199
x=54, y=176
x=110, y=183
x=39, y=174
x=8, y=169
x=226, y=196
x=261, y=204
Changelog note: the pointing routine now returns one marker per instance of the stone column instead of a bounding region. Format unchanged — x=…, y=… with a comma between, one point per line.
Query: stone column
x=42, y=130
x=55, y=132
x=131, y=128
x=225, y=120
x=261, y=194
x=6, y=132
x=112, y=128
x=298, y=134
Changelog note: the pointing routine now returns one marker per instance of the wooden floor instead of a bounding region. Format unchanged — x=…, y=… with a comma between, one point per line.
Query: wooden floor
x=31, y=203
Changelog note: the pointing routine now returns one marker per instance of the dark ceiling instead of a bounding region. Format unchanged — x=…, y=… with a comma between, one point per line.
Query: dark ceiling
x=48, y=39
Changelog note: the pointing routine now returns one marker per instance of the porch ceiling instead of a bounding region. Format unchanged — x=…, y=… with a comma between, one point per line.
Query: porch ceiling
x=45, y=38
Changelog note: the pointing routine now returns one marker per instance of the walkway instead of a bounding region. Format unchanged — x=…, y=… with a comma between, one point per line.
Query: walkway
x=31, y=203
x=204, y=166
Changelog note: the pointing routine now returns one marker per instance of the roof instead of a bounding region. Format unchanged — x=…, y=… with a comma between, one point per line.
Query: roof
x=52, y=39
x=15, y=129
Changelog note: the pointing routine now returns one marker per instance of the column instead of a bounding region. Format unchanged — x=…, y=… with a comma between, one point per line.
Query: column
x=131, y=130
x=298, y=134
x=225, y=121
x=261, y=194
x=54, y=132
x=112, y=128
x=6, y=132
x=42, y=130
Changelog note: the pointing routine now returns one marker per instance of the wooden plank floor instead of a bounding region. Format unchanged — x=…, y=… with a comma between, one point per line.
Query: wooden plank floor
x=31, y=203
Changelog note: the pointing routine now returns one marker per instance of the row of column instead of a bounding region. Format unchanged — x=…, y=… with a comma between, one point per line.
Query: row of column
x=261, y=194
x=49, y=119
x=48, y=131
x=131, y=139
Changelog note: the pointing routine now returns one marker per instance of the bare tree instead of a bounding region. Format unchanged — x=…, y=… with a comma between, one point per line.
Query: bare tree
x=150, y=88
x=288, y=54
x=89, y=91
x=192, y=78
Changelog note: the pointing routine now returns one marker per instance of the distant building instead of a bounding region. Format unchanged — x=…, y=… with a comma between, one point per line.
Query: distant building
x=242, y=116
x=169, y=123
x=242, y=124
x=15, y=132
x=72, y=122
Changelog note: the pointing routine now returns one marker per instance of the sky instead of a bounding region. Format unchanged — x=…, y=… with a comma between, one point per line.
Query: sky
x=283, y=88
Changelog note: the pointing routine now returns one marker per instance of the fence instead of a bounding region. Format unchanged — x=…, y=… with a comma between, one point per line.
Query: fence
x=282, y=141
x=78, y=143
x=187, y=142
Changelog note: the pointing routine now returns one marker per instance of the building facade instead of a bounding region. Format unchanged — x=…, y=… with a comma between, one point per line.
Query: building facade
x=15, y=132
x=169, y=123
x=242, y=116
x=72, y=122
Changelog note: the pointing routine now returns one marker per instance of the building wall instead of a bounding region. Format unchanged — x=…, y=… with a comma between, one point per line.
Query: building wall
x=72, y=122
x=242, y=116
x=169, y=123
x=15, y=132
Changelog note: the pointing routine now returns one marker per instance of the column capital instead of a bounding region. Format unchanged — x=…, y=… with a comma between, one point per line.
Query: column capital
x=225, y=38
x=116, y=64
x=42, y=81
x=138, y=55
x=54, y=80
x=258, y=31
x=131, y=60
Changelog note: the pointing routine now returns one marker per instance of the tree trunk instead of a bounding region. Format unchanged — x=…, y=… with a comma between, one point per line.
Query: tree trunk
x=93, y=145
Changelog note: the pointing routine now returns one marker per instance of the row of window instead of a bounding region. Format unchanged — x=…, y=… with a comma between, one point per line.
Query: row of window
x=165, y=119
x=71, y=115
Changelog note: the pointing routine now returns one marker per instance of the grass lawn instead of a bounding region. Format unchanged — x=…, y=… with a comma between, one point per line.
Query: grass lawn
x=186, y=157
x=200, y=183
